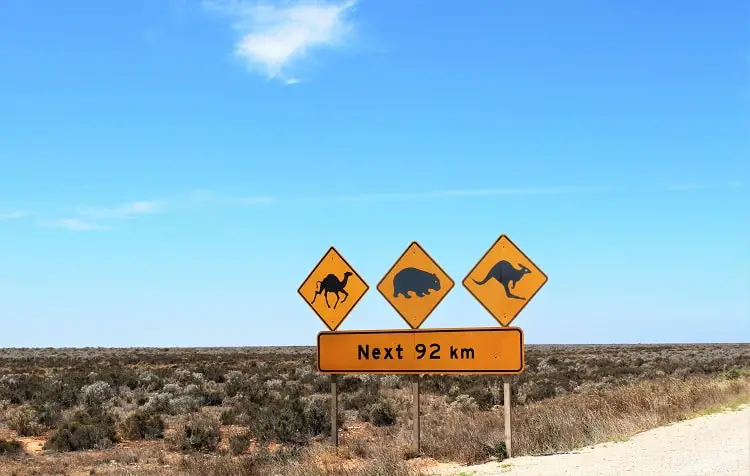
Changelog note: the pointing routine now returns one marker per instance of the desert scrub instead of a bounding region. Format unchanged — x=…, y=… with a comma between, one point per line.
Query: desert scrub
x=96, y=394
x=381, y=413
x=25, y=420
x=238, y=444
x=149, y=381
x=143, y=425
x=86, y=429
x=10, y=447
x=464, y=403
x=198, y=433
x=361, y=395
x=290, y=419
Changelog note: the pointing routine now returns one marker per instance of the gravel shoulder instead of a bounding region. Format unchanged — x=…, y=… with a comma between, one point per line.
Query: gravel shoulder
x=716, y=445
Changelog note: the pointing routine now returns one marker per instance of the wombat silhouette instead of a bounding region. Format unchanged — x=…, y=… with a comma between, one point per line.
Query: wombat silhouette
x=331, y=284
x=416, y=280
x=504, y=273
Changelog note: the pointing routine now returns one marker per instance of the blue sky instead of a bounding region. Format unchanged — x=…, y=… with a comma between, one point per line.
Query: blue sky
x=170, y=171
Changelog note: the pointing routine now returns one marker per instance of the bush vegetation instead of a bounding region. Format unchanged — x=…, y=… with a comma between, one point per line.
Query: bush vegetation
x=243, y=411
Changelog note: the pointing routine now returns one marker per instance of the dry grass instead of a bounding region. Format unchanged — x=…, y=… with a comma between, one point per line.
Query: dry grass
x=570, y=396
x=575, y=421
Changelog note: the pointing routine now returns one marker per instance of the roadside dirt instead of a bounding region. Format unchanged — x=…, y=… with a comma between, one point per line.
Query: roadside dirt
x=715, y=445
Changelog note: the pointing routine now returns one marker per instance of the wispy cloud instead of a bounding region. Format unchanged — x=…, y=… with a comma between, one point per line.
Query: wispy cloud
x=273, y=38
x=73, y=224
x=694, y=186
x=408, y=196
x=252, y=200
x=559, y=190
x=91, y=218
x=14, y=215
x=123, y=211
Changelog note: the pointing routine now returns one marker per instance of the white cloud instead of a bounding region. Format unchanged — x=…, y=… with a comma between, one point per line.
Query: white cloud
x=194, y=201
x=561, y=190
x=14, y=215
x=274, y=37
x=126, y=210
x=253, y=200
x=476, y=192
x=73, y=224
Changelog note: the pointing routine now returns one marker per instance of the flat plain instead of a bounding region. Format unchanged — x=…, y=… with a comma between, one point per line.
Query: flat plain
x=265, y=410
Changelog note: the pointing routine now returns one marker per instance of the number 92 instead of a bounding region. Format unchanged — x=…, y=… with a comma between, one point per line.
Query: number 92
x=422, y=350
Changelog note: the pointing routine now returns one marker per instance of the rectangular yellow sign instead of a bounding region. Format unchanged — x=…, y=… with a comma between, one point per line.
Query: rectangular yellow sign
x=483, y=350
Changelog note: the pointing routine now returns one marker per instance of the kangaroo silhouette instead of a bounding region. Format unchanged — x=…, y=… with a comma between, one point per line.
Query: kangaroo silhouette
x=504, y=273
x=331, y=284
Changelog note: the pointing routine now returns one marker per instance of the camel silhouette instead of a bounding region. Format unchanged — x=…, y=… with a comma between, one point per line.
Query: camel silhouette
x=331, y=284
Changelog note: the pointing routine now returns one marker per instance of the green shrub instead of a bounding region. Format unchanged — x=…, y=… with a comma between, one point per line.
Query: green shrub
x=361, y=399
x=10, y=447
x=198, y=433
x=381, y=413
x=292, y=419
x=482, y=395
x=498, y=451
x=87, y=429
x=48, y=414
x=143, y=425
x=238, y=444
x=25, y=420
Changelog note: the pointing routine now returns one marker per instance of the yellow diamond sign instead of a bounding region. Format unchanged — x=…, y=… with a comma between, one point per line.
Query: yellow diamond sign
x=415, y=285
x=332, y=289
x=504, y=280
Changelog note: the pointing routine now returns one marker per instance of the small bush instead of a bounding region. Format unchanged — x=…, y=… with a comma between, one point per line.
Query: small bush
x=292, y=419
x=184, y=404
x=238, y=444
x=360, y=399
x=198, y=433
x=10, y=447
x=85, y=430
x=381, y=413
x=48, y=414
x=96, y=394
x=499, y=451
x=213, y=394
x=158, y=403
x=149, y=381
x=25, y=420
x=464, y=403
x=142, y=425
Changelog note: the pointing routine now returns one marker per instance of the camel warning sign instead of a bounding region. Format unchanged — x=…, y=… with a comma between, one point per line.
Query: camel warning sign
x=332, y=289
x=415, y=285
x=504, y=280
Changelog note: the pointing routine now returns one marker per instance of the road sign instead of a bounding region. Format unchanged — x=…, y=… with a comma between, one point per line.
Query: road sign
x=332, y=289
x=504, y=280
x=484, y=350
x=415, y=285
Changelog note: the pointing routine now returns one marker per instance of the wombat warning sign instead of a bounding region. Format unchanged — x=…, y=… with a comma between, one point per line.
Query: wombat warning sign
x=415, y=285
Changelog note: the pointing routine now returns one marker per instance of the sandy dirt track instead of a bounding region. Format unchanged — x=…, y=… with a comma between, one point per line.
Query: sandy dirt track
x=716, y=445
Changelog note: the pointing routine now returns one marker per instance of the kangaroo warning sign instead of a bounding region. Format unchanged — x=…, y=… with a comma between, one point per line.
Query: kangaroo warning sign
x=332, y=289
x=484, y=350
x=415, y=285
x=504, y=280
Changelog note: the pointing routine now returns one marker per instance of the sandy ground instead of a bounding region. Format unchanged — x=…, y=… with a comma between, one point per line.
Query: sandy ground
x=716, y=445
